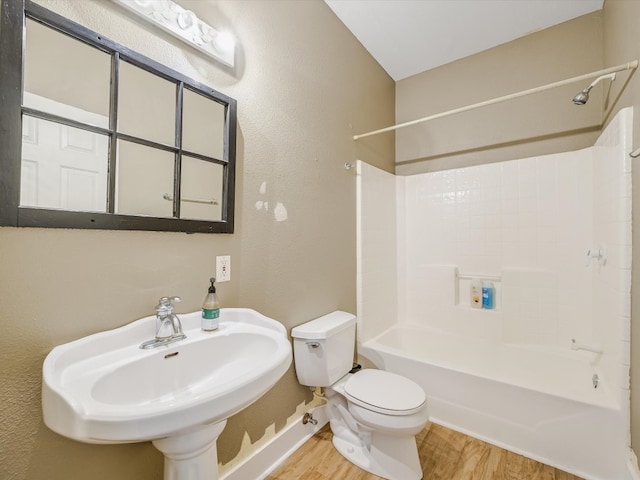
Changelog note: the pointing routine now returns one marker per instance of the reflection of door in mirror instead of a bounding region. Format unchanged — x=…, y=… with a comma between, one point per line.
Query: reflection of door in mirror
x=62, y=167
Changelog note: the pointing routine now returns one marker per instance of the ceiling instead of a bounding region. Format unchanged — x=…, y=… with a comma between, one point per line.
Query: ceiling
x=411, y=36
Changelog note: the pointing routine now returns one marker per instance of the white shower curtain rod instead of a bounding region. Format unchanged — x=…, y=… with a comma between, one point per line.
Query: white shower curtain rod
x=626, y=66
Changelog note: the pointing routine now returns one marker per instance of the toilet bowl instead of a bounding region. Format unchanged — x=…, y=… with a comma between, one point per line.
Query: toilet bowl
x=374, y=415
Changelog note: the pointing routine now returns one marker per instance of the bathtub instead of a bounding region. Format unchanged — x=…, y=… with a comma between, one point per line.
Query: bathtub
x=537, y=402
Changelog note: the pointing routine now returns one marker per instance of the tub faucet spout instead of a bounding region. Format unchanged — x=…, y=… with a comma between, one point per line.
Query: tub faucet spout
x=585, y=346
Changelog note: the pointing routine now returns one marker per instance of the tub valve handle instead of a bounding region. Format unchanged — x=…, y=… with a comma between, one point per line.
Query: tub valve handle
x=597, y=253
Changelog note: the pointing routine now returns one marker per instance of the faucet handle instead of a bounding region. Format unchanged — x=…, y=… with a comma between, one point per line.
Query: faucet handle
x=169, y=300
x=165, y=305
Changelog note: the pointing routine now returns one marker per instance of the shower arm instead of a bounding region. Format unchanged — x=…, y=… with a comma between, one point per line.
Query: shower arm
x=625, y=66
x=610, y=76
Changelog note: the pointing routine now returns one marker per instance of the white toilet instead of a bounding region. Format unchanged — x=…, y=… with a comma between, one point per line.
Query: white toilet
x=374, y=415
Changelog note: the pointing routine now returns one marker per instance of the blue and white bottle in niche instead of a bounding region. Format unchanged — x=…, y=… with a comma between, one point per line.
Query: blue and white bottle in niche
x=488, y=295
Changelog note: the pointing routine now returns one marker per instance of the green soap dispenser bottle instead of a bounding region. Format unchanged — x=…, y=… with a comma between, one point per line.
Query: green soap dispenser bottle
x=210, y=309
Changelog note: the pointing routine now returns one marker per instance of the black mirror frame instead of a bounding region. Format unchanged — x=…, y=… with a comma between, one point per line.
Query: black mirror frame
x=13, y=15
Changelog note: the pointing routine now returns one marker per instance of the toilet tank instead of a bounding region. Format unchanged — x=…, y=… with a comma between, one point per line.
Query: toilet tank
x=323, y=348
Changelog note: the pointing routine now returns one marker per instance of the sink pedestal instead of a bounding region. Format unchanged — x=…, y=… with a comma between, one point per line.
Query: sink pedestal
x=191, y=455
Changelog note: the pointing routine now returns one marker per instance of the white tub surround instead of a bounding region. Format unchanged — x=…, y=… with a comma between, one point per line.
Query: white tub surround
x=553, y=234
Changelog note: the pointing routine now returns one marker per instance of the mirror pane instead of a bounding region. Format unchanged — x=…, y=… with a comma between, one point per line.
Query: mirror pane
x=203, y=125
x=74, y=76
x=146, y=105
x=144, y=178
x=63, y=167
x=200, y=189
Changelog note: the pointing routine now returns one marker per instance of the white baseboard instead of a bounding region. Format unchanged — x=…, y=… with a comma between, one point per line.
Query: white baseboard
x=272, y=454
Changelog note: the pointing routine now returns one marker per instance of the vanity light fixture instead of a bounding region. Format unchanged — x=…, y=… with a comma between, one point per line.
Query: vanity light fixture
x=185, y=25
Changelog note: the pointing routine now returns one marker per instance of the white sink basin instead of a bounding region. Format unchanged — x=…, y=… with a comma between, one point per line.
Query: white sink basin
x=105, y=389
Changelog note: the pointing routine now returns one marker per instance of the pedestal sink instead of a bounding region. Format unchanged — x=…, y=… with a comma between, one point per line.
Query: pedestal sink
x=105, y=389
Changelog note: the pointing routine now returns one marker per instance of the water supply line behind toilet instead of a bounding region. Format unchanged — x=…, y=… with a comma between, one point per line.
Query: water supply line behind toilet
x=318, y=394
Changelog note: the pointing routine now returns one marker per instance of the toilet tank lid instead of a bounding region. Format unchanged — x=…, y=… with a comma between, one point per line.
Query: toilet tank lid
x=325, y=326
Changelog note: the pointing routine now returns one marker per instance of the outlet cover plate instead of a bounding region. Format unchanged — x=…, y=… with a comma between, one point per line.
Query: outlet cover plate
x=223, y=268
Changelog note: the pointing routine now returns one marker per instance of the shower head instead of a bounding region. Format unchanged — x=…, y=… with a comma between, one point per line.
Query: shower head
x=583, y=97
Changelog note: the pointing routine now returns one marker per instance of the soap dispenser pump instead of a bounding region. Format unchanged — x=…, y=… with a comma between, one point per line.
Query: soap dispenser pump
x=210, y=309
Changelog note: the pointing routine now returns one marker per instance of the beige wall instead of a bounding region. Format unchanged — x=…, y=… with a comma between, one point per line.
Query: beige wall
x=542, y=123
x=304, y=86
x=621, y=44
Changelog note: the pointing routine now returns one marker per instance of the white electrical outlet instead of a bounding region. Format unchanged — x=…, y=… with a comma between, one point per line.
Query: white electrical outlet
x=223, y=268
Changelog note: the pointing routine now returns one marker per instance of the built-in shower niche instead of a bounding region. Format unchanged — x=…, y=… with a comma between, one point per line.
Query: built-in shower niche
x=462, y=285
x=526, y=304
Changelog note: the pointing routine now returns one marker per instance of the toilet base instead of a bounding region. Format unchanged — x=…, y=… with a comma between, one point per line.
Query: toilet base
x=383, y=446
x=388, y=457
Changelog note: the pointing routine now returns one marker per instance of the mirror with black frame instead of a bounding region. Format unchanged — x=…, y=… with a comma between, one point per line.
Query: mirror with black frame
x=95, y=135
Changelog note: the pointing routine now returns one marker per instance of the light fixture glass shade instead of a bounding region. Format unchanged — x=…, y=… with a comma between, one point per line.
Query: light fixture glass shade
x=185, y=25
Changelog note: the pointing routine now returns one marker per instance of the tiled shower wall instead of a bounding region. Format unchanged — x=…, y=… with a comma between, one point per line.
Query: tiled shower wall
x=612, y=226
x=527, y=225
x=376, y=251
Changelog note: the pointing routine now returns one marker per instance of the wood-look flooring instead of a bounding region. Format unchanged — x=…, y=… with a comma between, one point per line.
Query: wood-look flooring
x=444, y=455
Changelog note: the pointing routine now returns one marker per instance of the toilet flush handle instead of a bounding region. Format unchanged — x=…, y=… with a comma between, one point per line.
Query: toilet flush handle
x=313, y=344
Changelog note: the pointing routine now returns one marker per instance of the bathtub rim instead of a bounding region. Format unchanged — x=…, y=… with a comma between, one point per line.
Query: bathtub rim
x=609, y=402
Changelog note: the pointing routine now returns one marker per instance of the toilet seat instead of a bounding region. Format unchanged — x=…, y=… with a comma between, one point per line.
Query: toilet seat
x=384, y=392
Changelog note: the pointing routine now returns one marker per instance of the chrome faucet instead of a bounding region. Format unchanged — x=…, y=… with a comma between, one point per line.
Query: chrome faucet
x=168, y=325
